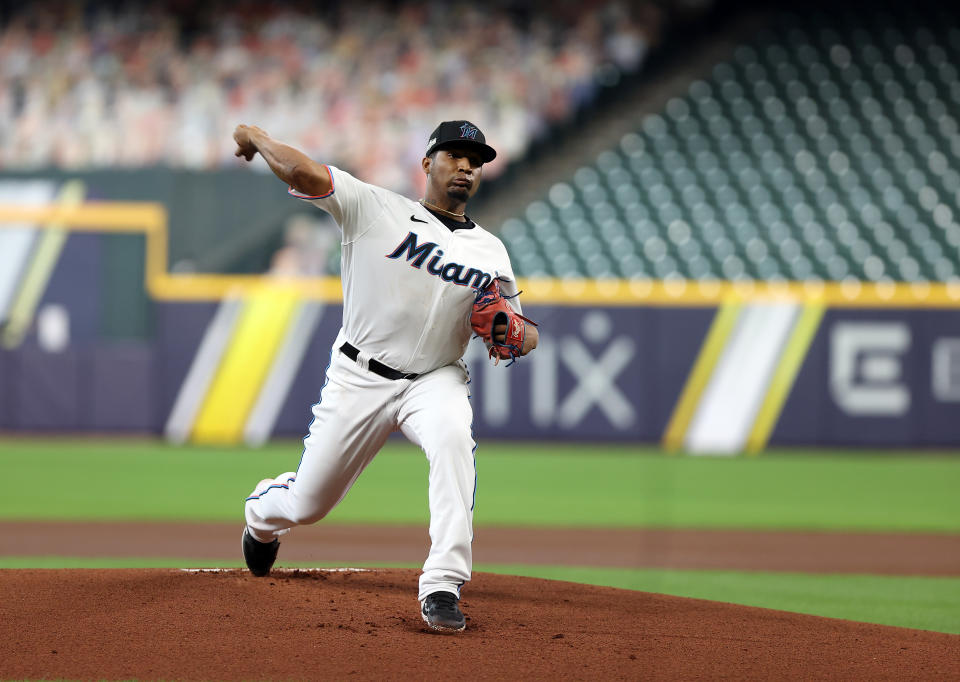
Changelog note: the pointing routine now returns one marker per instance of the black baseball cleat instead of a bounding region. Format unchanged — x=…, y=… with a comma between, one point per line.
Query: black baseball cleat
x=259, y=555
x=441, y=612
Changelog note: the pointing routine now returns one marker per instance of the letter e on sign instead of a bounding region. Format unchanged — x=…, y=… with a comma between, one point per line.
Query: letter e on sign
x=865, y=368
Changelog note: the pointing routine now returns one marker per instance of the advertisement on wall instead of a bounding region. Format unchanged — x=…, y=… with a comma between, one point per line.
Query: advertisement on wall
x=878, y=377
x=697, y=379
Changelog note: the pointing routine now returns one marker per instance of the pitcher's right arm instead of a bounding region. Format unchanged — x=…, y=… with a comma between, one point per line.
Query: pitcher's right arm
x=295, y=168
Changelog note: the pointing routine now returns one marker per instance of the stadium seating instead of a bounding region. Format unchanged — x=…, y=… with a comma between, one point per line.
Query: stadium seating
x=358, y=84
x=826, y=148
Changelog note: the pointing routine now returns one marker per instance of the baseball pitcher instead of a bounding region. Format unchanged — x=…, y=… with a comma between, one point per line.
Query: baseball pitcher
x=419, y=278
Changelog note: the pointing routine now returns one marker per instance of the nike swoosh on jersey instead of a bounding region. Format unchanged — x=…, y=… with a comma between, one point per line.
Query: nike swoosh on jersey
x=416, y=219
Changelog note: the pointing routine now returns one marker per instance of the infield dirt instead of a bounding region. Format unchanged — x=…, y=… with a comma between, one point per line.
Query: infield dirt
x=325, y=543
x=300, y=624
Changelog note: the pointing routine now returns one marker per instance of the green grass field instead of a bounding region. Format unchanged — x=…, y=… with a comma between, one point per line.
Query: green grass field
x=555, y=485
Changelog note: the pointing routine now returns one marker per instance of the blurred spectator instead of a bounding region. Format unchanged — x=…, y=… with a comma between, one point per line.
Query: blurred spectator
x=358, y=84
x=310, y=248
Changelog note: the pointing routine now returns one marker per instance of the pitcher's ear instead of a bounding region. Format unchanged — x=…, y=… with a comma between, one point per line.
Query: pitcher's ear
x=426, y=164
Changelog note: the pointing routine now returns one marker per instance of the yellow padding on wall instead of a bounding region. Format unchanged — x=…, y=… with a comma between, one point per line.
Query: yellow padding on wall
x=786, y=373
x=713, y=345
x=262, y=326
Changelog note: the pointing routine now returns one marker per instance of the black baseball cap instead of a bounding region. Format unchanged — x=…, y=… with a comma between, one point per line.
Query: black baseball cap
x=460, y=133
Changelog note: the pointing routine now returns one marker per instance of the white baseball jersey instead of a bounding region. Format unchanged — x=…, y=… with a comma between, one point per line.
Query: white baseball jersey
x=408, y=280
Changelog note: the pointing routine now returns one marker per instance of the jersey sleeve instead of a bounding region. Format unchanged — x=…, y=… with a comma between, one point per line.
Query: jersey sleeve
x=354, y=204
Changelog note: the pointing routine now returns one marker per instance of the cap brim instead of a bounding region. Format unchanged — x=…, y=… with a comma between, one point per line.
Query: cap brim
x=487, y=153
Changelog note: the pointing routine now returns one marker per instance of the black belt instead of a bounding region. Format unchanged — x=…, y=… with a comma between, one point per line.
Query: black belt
x=376, y=366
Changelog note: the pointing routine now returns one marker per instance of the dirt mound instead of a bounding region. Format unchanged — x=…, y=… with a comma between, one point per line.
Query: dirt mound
x=169, y=624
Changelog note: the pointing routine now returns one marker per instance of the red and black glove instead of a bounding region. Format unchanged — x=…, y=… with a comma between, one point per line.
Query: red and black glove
x=501, y=328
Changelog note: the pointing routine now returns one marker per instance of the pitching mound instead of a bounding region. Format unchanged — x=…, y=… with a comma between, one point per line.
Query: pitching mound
x=169, y=624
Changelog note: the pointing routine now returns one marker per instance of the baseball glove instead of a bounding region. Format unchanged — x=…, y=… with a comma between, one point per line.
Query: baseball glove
x=500, y=327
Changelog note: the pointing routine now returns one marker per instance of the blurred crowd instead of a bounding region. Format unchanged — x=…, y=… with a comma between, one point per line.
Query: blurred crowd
x=357, y=84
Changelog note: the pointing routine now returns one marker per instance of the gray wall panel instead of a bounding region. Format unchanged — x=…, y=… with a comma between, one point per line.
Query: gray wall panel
x=47, y=391
x=123, y=384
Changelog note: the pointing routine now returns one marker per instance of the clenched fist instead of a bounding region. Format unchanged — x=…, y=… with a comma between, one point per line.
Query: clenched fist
x=244, y=136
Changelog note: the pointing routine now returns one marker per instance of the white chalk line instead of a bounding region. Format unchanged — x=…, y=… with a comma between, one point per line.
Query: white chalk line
x=280, y=570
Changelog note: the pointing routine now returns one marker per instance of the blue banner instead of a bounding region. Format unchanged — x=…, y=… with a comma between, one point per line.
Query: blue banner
x=875, y=377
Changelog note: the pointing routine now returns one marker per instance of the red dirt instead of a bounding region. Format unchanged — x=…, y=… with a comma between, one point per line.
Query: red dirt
x=808, y=552
x=169, y=624
x=164, y=624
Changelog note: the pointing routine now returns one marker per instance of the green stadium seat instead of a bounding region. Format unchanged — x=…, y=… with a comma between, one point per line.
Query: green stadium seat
x=826, y=148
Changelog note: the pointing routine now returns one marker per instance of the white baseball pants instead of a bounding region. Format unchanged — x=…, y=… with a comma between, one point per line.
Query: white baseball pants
x=357, y=411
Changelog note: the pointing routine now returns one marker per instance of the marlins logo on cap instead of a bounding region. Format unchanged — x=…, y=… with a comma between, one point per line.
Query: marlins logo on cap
x=460, y=134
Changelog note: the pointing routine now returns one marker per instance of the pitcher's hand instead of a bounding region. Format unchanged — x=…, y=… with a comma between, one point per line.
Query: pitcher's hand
x=243, y=135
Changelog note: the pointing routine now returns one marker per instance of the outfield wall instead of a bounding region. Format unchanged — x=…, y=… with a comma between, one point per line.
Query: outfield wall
x=867, y=377
x=697, y=366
